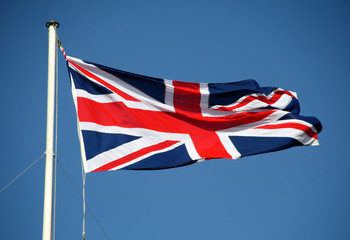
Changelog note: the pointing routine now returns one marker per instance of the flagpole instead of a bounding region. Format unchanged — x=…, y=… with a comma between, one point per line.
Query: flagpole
x=47, y=215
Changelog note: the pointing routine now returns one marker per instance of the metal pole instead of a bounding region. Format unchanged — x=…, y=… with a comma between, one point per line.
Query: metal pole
x=47, y=216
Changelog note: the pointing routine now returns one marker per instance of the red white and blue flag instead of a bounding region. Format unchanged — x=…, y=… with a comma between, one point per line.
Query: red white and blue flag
x=130, y=121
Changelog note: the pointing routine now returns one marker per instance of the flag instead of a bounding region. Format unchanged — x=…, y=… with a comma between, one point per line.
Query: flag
x=131, y=121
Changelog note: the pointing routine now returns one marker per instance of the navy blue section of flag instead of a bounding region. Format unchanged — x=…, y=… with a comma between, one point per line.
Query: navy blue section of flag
x=97, y=142
x=262, y=144
x=81, y=82
x=154, y=87
x=228, y=93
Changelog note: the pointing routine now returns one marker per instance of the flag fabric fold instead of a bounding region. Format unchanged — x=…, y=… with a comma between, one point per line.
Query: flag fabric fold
x=131, y=121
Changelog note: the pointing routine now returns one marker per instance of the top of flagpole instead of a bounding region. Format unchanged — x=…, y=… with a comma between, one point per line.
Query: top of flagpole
x=52, y=22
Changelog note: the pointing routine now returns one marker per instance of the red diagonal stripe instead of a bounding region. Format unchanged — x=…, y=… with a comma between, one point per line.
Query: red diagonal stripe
x=244, y=102
x=104, y=83
x=298, y=126
x=134, y=155
x=276, y=96
x=208, y=145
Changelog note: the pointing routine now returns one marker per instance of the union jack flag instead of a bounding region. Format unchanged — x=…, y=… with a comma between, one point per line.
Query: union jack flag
x=130, y=121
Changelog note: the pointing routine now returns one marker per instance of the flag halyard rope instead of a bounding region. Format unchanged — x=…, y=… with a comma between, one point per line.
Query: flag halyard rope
x=62, y=49
x=80, y=195
x=84, y=202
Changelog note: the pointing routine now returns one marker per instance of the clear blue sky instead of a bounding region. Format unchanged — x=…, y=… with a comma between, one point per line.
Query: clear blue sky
x=301, y=193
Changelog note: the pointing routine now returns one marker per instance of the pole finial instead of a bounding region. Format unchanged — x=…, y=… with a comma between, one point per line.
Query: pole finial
x=52, y=22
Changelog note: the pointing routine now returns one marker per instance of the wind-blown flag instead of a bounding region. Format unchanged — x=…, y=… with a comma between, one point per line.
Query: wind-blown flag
x=130, y=121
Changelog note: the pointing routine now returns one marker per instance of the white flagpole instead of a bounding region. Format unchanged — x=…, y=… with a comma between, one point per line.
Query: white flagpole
x=47, y=216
